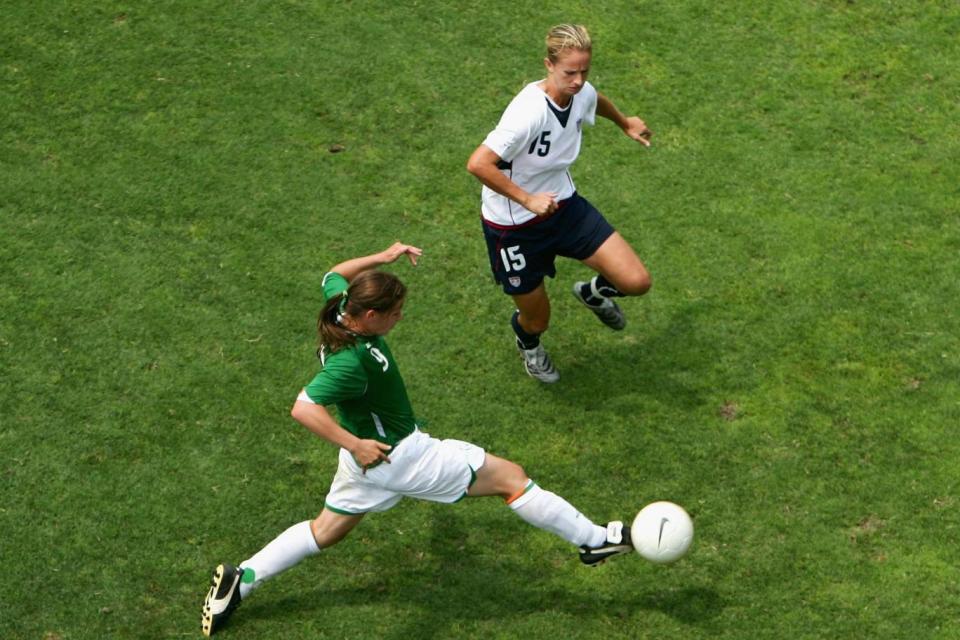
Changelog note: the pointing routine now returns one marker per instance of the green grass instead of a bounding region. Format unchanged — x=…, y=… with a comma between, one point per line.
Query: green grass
x=169, y=201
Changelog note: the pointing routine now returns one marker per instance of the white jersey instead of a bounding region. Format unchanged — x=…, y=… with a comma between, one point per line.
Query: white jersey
x=537, y=142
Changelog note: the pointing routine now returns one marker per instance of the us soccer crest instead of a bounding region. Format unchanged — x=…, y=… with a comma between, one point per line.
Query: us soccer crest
x=514, y=281
x=579, y=120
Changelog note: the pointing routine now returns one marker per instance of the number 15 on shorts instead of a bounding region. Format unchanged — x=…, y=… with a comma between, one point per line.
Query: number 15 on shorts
x=512, y=259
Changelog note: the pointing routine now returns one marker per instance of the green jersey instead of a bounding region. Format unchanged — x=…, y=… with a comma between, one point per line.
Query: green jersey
x=364, y=382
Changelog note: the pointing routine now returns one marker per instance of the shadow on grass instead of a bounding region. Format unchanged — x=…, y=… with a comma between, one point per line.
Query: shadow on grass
x=458, y=591
x=666, y=365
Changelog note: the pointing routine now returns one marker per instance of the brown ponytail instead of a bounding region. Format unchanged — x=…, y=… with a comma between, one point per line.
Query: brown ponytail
x=374, y=290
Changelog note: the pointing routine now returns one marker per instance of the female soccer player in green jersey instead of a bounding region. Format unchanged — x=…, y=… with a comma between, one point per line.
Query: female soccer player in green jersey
x=384, y=456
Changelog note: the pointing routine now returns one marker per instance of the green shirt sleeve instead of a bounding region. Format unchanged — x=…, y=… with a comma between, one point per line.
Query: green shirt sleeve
x=342, y=378
x=333, y=284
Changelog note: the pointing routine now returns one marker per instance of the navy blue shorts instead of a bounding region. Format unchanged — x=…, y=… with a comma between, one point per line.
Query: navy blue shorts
x=521, y=257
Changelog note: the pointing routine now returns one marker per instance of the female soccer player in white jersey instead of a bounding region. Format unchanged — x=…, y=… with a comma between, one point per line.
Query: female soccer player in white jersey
x=383, y=454
x=530, y=207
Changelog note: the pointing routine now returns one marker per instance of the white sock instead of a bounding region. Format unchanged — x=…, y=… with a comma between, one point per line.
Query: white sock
x=284, y=551
x=552, y=513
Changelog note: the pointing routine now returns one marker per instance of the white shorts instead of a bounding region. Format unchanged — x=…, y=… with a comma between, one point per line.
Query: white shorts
x=420, y=467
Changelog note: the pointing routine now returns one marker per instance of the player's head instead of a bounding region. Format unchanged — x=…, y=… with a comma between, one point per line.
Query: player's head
x=563, y=38
x=371, y=305
x=569, y=50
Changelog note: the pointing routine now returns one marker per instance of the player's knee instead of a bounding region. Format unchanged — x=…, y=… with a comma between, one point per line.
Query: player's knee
x=636, y=283
x=510, y=479
x=536, y=326
x=514, y=478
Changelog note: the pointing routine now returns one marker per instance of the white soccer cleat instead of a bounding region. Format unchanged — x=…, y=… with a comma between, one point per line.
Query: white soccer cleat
x=538, y=364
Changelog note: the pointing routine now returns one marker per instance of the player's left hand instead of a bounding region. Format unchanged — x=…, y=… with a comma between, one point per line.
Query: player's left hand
x=637, y=129
x=398, y=249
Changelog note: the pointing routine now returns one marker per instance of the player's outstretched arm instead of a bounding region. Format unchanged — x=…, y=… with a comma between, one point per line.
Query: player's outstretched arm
x=632, y=126
x=350, y=268
x=317, y=419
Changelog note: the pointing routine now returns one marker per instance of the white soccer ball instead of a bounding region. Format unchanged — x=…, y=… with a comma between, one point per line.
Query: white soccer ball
x=662, y=532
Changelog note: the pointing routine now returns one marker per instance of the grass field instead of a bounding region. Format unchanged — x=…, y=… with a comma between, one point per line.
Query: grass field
x=170, y=197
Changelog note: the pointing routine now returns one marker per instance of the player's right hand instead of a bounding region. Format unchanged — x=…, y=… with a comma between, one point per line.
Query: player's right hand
x=541, y=204
x=398, y=249
x=370, y=452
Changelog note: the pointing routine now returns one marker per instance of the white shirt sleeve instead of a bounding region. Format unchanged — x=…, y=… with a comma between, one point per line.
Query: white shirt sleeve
x=589, y=94
x=516, y=129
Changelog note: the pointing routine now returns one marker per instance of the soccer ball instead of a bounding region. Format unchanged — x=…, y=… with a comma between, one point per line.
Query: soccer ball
x=662, y=532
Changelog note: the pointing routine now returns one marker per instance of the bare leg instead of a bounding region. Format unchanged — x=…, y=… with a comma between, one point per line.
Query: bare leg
x=542, y=509
x=531, y=320
x=616, y=261
x=293, y=545
x=534, y=310
x=330, y=527
x=499, y=477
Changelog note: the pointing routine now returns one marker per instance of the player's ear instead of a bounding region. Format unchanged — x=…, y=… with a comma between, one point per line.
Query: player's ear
x=548, y=64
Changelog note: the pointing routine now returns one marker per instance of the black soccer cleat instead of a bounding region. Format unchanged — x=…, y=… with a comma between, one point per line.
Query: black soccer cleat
x=608, y=311
x=222, y=599
x=618, y=542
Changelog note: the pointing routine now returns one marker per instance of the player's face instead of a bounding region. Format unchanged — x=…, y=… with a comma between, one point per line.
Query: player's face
x=379, y=323
x=569, y=73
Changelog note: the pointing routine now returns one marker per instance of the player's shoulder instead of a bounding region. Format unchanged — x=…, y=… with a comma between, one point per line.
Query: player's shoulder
x=530, y=101
x=364, y=347
x=587, y=97
x=531, y=94
x=532, y=89
x=345, y=358
x=376, y=346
